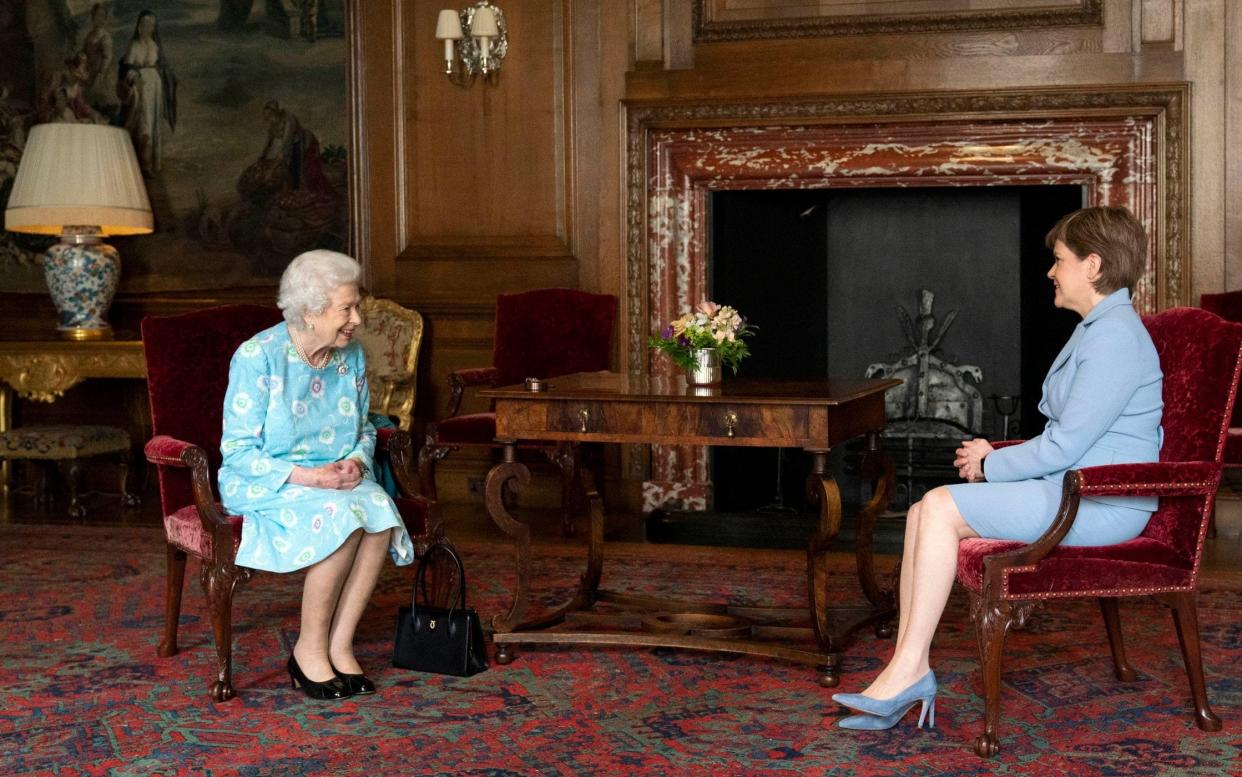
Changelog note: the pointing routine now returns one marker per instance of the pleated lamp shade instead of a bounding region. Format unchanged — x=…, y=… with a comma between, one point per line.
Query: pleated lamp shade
x=78, y=174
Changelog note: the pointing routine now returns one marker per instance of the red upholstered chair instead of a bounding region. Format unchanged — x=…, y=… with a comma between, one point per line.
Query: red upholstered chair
x=544, y=333
x=1228, y=305
x=1201, y=356
x=187, y=375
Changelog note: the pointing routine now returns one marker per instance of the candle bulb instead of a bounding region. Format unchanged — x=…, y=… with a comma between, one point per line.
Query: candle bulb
x=448, y=29
x=483, y=29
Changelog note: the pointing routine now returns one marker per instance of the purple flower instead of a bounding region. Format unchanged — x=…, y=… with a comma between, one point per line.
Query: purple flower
x=683, y=340
x=667, y=332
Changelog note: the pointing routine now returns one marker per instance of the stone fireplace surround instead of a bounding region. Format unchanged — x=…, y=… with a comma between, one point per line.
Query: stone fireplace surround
x=1126, y=145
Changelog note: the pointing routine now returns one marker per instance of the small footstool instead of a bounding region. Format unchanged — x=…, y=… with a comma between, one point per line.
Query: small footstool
x=65, y=445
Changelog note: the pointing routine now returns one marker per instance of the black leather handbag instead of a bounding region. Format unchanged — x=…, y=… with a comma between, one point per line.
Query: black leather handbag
x=433, y=639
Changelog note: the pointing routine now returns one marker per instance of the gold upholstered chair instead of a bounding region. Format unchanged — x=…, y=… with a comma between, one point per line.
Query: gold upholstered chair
x=390, y=336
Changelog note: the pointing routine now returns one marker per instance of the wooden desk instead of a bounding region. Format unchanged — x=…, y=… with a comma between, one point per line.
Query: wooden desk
x=43, y=370
x=609, y=408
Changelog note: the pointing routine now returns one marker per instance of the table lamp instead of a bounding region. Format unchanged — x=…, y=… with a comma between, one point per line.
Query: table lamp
x=81, y=182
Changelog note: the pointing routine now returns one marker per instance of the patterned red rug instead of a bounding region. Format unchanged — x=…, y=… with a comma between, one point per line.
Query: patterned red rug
x=85, y=694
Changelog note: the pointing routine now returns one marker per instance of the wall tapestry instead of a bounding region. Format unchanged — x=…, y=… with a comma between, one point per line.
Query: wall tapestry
x=237, y=111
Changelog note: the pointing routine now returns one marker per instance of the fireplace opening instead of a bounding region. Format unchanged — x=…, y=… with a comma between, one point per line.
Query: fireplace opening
x=822, y=274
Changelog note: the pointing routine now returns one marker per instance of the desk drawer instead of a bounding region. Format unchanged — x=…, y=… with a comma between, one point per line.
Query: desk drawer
x=586, y=417
x=751, y=422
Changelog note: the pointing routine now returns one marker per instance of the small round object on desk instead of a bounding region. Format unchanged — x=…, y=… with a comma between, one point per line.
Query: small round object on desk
x=535, y=384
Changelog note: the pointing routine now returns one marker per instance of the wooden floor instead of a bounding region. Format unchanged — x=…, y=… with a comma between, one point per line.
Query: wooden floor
x=470, y=521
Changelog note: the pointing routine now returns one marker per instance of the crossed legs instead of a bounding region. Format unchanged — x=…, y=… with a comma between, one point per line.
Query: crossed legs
x=934, y=527
x=334, y=596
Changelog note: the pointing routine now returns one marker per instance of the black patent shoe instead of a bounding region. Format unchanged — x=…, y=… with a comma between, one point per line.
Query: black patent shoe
x=327, y=690
x=358, y=684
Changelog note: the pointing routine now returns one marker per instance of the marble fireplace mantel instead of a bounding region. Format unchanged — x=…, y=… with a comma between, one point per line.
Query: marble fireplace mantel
x=1125, y=145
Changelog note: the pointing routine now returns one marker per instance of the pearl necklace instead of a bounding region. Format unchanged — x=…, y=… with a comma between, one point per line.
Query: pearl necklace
x=297, y=345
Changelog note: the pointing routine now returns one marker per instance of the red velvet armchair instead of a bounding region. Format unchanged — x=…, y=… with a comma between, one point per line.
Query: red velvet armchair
x=544, y=333
x=1228, y=305
x=187, y=374
x=1201, y=356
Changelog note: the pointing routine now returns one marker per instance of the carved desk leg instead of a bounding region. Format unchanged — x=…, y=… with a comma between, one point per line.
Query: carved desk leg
x=513, y=473
x=6, y=422
x=822, y=489
x=877, y=466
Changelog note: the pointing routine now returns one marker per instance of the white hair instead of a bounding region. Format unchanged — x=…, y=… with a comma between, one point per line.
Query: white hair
x=308, y=282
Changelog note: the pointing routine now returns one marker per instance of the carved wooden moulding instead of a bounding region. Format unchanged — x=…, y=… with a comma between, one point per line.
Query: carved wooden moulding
x=723, y=20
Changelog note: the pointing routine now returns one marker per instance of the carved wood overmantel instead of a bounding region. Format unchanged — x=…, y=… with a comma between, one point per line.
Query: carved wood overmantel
x=1126, y=145
x=726, y=20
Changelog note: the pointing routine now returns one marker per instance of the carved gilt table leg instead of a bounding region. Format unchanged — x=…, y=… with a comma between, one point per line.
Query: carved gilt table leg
x=821, y=489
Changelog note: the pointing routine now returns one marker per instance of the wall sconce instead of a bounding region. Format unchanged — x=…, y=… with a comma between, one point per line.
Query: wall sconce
x=81, y=182
x=482, y=46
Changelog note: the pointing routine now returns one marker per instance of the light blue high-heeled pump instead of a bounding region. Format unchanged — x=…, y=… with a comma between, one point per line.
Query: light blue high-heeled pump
x=880, y=722
x=923, y=689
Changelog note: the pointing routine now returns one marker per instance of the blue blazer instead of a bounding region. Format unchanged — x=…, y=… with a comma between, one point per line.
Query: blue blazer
x=1103, y=399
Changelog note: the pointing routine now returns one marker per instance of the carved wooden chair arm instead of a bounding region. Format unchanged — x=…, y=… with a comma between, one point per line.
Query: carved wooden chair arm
x=1186, y=478
x=401, y=457
x=169, y=451
x=459, y=380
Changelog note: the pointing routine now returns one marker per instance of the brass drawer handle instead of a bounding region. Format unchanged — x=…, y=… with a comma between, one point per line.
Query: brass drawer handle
x=583, y=415
x=730, y=420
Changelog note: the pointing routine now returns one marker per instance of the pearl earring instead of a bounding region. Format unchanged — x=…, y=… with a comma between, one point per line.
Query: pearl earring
x=311, y=327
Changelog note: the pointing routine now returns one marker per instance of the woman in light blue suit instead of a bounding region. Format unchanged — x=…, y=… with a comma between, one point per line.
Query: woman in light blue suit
x=1103, y=401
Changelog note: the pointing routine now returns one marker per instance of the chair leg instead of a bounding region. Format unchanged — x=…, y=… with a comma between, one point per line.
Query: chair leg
x=1112, y=624
x=218, y=584
x=128, y=498
x=73, y=473
x=991, y=625
x=1186, y=619
x=174, y=577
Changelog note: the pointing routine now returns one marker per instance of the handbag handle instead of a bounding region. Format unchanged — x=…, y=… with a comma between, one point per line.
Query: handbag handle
x=420, y=579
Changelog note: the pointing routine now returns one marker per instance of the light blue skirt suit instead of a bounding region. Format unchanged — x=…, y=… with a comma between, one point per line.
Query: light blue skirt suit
x=1103, y=398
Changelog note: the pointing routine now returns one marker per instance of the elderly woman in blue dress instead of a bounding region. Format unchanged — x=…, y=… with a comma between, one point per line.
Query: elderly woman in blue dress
x=298, y=451
x=1103, y=400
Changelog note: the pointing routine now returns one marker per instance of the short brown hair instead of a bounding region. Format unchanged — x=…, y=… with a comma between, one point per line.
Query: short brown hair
x=1113, y=233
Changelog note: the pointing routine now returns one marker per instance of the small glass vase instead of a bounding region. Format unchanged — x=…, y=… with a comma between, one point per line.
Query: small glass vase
x=706, y=368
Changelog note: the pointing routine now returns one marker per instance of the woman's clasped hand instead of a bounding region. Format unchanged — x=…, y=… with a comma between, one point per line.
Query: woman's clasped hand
x=342, y=475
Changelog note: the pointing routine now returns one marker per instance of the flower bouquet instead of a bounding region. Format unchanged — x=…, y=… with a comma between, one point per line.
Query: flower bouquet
x=714, y=327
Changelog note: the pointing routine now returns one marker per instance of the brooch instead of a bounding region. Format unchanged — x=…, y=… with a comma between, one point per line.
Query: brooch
x=342, y=370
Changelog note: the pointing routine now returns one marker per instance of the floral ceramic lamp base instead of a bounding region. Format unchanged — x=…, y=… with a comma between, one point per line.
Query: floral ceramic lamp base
x=82, y=274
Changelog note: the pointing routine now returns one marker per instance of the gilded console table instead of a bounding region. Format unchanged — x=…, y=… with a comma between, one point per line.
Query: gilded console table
x=43, y=370
x=611, y=408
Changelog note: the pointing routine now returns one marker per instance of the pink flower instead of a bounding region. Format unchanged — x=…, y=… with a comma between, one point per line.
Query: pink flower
x=708, y=308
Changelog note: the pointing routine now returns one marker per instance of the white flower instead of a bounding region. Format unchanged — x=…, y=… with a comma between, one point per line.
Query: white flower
x=288, y=517
x=306, y=555
x=254, y=490
x=249, y=349
x=260, y=467
x=242, y=402
x=327, y=435
x=316, y=523
x=345, y=406
x=298, y=408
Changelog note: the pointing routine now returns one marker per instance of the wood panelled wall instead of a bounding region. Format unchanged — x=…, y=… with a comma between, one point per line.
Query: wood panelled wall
x=475, y=191
x=462, y=193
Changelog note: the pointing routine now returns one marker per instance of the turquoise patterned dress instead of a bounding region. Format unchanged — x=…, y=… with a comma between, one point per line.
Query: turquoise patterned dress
x=280, y=412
